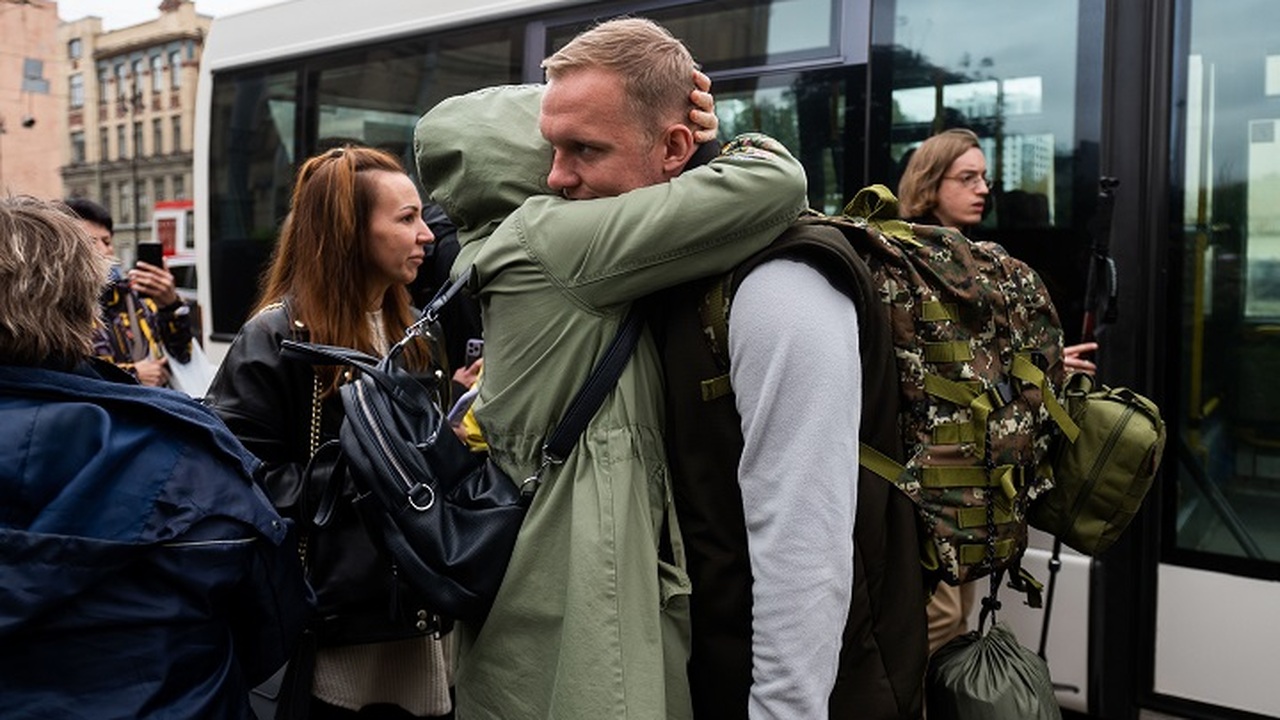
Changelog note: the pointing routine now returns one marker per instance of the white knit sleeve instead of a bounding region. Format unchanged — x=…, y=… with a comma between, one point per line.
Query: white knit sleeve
x=796, y=375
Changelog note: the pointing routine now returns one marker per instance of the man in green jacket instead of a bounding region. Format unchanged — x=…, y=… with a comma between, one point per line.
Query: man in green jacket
x=591, y=621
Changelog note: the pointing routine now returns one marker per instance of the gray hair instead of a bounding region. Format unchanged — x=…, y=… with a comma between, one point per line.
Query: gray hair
x=50, y=278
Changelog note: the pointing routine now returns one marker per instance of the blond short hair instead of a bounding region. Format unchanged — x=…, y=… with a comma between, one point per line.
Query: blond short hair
x=50, y=278
x=918, y=188
x=655, y=67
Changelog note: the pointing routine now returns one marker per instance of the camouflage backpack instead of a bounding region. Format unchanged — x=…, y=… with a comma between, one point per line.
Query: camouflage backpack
x=979, y=355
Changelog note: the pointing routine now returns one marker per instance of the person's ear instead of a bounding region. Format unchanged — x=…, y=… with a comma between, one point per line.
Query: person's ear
x=677, y=147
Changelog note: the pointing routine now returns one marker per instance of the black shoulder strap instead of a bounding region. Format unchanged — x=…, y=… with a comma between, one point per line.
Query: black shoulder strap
x=604, y=376
x=431, y=313
x=593, y=392
x=432, y=310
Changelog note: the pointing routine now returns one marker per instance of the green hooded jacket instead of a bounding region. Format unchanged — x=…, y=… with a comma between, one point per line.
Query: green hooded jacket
x=591, y=621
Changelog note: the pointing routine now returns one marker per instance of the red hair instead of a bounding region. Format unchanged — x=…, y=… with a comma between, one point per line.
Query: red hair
x=321, y=263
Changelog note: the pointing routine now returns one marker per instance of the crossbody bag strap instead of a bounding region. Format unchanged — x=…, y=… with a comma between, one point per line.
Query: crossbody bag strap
x=431, y=312
x=590, y=396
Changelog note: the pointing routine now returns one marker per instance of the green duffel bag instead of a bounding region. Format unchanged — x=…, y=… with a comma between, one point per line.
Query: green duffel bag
x=1101, y=478
x=989, y=677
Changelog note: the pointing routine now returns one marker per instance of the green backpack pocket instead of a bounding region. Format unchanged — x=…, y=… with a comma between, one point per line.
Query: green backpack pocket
x=1101, y=479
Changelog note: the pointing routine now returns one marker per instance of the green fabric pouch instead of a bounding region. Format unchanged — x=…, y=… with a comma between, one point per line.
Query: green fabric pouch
x=989, y=677
x=1101, y=479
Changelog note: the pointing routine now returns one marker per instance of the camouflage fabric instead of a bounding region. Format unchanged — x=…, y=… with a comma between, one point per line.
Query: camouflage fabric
x=979, y=355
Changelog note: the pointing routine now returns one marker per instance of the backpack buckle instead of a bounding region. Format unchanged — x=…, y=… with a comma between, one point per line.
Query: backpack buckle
x=1001, y=394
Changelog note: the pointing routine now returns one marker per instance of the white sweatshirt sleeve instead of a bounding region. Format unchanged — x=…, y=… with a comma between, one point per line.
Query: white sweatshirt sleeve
x=797, y=378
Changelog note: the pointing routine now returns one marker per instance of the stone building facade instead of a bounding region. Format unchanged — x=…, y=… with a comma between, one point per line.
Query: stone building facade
x=32, y=99
x=130, y=113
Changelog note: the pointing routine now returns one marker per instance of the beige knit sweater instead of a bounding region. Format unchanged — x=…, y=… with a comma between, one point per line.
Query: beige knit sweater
x=415, y=674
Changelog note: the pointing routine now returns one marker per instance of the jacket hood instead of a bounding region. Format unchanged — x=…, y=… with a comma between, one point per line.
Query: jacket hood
x=478, y=189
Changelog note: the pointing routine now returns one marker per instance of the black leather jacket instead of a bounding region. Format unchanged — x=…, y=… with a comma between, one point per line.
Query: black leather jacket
x=269, y=403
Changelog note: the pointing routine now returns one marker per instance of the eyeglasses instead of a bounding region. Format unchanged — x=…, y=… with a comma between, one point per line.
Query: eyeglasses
x=970, y=180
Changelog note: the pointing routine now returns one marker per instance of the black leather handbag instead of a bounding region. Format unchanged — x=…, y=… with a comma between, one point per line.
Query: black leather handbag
x=446, y=516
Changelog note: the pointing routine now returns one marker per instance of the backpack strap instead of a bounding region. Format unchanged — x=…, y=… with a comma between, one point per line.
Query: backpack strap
x=877, y=207
x=1026, y=371
x=713, y=313
x=817, y=240
x=983, y=403
x=1004, y=477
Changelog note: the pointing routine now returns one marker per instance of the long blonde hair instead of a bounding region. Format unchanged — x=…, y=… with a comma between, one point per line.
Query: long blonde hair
x=918, y=188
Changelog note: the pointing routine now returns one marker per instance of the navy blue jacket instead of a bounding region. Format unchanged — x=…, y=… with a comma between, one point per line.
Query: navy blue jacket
x=143, y=574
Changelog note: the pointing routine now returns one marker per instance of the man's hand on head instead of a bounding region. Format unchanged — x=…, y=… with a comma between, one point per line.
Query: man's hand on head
x=703, y=114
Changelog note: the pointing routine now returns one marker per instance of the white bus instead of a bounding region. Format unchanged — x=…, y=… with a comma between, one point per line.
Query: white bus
x=281, y=81
x=1176, y=98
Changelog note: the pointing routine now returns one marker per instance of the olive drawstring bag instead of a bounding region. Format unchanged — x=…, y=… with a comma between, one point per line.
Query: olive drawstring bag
x=989, y=677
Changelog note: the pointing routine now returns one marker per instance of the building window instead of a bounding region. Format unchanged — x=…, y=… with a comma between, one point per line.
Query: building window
x=121, y=74
x=135, y=82
x=157, y=189
x=120, y=144
x=103, y=76
x=77, y=148
x=177, y=133
x=157, y=73
x=137, y=140
x=175, y=69
x=33, y=80
x=77, y=90
x=157, y=137
x=75, y=49
x=144, y=210
x=126, y=204
x=103, y=147
x=179, y=187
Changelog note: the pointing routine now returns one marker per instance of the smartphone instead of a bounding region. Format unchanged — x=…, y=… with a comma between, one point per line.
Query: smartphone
x=151, y=253
x=475, y=349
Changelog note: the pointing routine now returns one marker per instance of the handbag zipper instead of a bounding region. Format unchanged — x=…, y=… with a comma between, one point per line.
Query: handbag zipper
x=410, y=486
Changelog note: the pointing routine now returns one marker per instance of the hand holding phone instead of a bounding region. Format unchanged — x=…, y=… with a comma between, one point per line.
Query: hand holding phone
x=155, y=281
x=475, y=350
x=151, y=253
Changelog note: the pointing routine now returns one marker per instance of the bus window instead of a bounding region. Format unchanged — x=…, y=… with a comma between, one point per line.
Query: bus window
x=808, y=112
x=375, y=96
x=748, y=34
x=1226, y=510
x=742, y=46
x=265, y=122
x=1018, y=84
x=254, y=144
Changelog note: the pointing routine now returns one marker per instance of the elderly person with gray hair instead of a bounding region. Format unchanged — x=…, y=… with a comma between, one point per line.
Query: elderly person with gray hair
x=144, y=573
